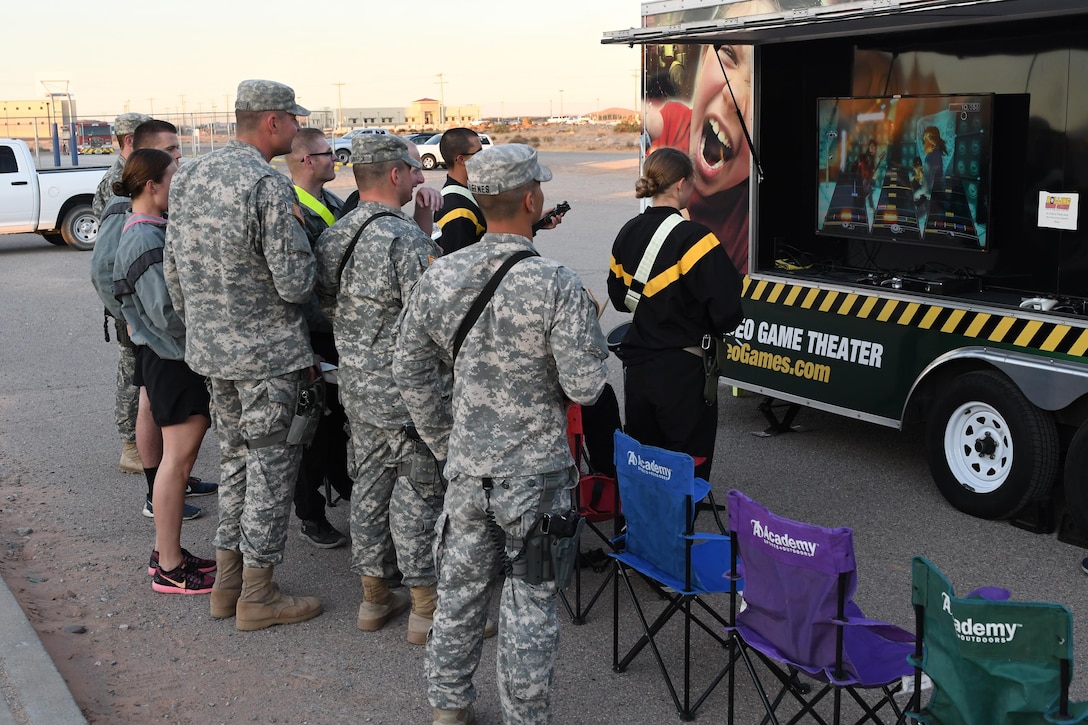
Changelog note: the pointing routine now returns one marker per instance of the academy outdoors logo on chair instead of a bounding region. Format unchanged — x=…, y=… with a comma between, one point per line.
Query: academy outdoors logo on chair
x=783, y=542
x=969, y=630
x=649, y=466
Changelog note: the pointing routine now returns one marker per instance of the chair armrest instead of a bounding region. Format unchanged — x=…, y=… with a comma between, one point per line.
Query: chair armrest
x=705, y=536
x=993, y=594
x=884, y=629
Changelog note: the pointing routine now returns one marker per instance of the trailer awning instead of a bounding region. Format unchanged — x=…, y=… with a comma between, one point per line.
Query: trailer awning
x=856, y=18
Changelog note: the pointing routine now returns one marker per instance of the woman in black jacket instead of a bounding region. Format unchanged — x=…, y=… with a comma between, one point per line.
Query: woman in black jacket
x=684, y=291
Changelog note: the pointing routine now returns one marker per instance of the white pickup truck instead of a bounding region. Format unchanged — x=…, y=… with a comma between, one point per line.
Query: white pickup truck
x=55, y=203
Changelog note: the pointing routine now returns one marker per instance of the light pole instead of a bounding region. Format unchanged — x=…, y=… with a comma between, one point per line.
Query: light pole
x=441, y=101
x=339, y=107
x=561, y=103
x=66, y=93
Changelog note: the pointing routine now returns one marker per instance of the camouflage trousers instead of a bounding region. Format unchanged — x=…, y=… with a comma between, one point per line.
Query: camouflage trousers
x=469, y=563
x=127, y=400
x=395, y=501
x=257, y=484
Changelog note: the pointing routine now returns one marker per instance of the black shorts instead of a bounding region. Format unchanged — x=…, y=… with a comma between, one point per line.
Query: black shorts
x=176, y=392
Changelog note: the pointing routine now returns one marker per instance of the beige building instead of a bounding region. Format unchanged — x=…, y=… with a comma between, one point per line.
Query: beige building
x=429, y=113
x=367, y=117
x=34, y=118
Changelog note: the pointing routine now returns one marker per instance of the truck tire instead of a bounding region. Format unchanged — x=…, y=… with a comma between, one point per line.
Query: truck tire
x=80, y=227
x=1076, y=478
x=990, y=450
x=343, y=155
x=54, y=238
x=428, y=162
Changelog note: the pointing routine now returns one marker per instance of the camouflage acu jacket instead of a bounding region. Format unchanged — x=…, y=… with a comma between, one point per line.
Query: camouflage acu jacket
x=390, y=256
x=536, y=346
x=238, y=266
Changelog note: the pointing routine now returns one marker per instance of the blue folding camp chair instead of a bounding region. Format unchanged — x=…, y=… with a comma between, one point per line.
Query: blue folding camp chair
x=800, y=618
x=659, y=493
x=990, y=662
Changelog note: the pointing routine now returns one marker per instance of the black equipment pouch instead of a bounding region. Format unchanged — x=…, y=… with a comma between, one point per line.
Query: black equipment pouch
x=309, y=407
x=565, y=534
x=422, y=467
x=550, y=549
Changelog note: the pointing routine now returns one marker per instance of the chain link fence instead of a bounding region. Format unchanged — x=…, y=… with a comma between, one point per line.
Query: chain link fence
x=89, y=141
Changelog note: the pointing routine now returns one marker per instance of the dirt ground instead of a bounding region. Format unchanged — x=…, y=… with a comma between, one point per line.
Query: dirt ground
x=130, y=656
x=571, y=138
x=68, y=582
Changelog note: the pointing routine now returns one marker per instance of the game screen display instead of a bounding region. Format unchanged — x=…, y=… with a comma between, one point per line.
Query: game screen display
x=912, y=169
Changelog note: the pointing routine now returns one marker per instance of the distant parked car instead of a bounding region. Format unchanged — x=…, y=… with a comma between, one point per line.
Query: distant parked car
x=431, y=155
x=342, y=145
x=418, y=138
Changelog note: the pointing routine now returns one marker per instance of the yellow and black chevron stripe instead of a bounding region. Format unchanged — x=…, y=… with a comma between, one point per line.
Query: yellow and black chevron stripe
x=1051, y=337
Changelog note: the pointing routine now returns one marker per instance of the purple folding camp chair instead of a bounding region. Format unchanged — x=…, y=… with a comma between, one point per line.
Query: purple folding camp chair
x=799, y=615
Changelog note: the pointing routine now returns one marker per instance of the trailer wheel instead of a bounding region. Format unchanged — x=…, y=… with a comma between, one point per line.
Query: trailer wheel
x=1076, y=478
x=80, y=227
x=991, y=451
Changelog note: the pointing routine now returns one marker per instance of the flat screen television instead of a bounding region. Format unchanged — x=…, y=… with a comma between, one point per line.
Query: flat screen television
x=911, y=169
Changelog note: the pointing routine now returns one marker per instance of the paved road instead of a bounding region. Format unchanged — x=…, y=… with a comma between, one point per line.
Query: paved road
x=58, y=446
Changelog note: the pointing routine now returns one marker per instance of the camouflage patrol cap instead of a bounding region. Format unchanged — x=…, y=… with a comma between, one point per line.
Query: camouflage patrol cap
x=374, y=148
x=502, y=168
x=258, y=95
x=126, y=123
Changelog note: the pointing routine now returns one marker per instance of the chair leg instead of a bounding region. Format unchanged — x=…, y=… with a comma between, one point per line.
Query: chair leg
x=576, y=611
x=871, y=710
x=742, y=652
x=685, y=706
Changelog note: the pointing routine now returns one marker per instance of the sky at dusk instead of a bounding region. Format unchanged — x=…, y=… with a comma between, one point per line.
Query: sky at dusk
x=508, y=58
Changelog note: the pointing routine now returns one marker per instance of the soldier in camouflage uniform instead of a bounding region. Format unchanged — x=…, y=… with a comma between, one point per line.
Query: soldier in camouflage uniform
x=397, y=488
x=536, y=345
x=239, y=268
x=126, y=401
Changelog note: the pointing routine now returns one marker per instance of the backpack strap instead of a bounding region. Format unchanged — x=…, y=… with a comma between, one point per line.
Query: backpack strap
x=354, y=241
x=646, y=265
x=457, y=189
x=486, y=293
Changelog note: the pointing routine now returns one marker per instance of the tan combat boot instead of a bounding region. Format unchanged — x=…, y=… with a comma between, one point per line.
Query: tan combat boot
x=379, y=604
x=130, y=459
x=228, y=583
x=424, y=600
x=262, y=604
x=454, y=717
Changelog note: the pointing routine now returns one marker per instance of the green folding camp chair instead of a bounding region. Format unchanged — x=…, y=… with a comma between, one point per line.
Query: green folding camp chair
x=992, y=662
